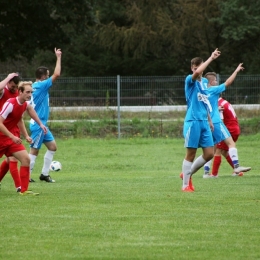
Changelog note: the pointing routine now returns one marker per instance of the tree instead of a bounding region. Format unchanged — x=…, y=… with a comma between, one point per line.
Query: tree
x=239, y=20
x=127, y=37
x=154, y=38
x=27, y=25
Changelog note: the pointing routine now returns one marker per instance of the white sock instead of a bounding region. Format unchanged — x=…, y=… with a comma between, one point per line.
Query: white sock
x=32, y=162
x=47, y=162
x=186, y=166
x=207, y=166
x=197, y=164
x=234, y=157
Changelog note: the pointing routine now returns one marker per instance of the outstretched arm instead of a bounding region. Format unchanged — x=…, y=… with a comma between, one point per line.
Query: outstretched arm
x=215, y=54
x=57, y=69
x=230, y=80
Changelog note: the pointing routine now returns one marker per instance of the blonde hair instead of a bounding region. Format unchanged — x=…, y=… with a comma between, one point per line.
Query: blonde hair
x=22, y=84
x=210, y=76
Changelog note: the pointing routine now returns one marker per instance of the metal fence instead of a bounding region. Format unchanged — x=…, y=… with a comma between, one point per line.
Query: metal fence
x=102, y=91
x=142, y=90
x=147, y=93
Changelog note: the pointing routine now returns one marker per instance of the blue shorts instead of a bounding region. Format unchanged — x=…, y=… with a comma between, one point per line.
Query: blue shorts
x=197, y=134
x=220, y=132
x=39, y=137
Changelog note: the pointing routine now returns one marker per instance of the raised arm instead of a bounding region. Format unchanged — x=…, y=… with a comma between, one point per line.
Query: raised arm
x=230, y=80
x=57, y=69
x=215, y=54
x=6, y=80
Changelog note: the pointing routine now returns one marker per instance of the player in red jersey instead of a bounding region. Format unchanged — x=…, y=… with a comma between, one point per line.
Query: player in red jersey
x=229, y=118
x=10, y=144
x=9, y=89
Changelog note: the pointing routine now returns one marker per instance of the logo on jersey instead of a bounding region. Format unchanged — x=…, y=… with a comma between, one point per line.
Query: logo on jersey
x=204, y=98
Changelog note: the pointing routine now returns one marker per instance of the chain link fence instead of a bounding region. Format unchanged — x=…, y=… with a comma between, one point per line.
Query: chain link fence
x=131, y=106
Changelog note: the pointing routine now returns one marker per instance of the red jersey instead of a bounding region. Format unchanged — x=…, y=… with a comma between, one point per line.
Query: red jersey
x=229, y=117
x=6, y=94
x=12, y=112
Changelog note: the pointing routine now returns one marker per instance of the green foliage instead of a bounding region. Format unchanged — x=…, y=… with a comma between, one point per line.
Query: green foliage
x=104, y=124
x=121, y=199
x=239, y=18
x=28, y=26
x=112, y=37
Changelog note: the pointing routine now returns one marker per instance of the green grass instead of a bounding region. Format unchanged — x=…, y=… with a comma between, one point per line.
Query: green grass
x=103, y=124
x=122, y=199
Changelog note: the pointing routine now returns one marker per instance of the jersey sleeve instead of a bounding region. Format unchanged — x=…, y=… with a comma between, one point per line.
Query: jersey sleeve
x=42, y=86
x=6, y=110
x=188, y=80
x=217, y=89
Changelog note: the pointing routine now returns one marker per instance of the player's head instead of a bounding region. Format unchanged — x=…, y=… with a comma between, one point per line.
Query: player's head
x=212, y=79
x=25, y=90
x=13, y=84
x=195, y=63
x=42, y=73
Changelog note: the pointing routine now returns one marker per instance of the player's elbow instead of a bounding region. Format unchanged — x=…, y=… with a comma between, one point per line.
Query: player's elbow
x=228, y=83
x=56, y=74
x=195, y=75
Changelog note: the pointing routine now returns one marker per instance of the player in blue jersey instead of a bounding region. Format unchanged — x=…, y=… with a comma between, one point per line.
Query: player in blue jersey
x=221, y=132
x=197, y=124
x=40, y=102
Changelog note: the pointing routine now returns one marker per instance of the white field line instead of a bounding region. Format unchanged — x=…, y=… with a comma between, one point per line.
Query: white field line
x=145, y=108
x=138, y=109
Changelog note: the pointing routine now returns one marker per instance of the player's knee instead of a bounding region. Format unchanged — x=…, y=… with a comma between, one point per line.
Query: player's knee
x=25, y=159
x=230, y=143
x=208, y=156
x=51, y=146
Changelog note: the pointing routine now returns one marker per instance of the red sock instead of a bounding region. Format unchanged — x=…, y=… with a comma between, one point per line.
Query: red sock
x=4, y=168
x=24, y=175
x=15, y=174
x=229, y=160
x=216, y=165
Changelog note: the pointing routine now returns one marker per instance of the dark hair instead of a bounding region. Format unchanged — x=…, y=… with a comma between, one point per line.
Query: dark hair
x=196, y=61
x=15, y=79
x=41, y=71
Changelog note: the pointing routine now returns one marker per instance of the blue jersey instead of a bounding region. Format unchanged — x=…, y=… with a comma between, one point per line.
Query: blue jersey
x=213, y=96
x=40, y=99
x=198, y=105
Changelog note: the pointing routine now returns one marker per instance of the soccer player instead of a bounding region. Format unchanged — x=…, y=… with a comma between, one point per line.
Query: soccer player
x=197, y=124
x=9, y=89
x=40, y=102
x=221, y=133
x=10, y=144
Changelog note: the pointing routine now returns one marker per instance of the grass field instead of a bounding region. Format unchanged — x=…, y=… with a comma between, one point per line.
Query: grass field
x=122, y=199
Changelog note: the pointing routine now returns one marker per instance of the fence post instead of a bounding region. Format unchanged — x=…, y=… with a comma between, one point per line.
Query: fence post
x=218, y=79
x=118, y=106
